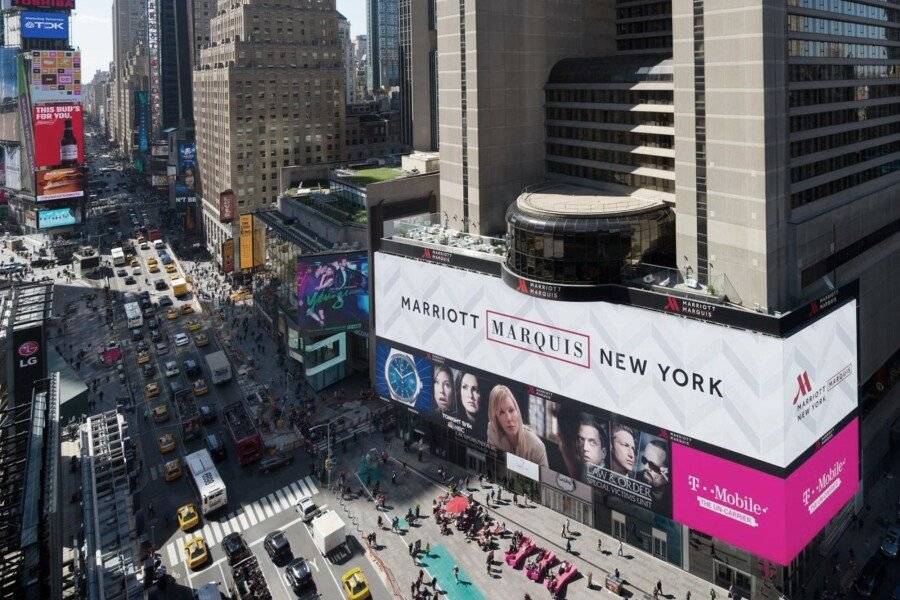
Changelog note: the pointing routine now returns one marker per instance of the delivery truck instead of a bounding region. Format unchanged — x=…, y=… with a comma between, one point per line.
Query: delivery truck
x=329, y=532
x=219, y=367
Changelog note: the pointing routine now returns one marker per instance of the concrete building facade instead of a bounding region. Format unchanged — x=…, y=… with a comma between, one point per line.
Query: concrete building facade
x=418, y=74
x=268, y=93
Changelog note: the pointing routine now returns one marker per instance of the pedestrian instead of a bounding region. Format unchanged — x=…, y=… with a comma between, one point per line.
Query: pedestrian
x=410, y=549
x=617, y=575
x=434, y=582
x=427, y=548
x=712, y=594
x=456, y=572
x=599, y=544
x=421, y=576
x=621, y=550
x=418, y=512
x=515, y=499
x=394, y=477
x=659, y=585
x=563, y=533
x=590, y=580
x=380, y=522
x=687, y=596
x=568, y=544
x=412, y=588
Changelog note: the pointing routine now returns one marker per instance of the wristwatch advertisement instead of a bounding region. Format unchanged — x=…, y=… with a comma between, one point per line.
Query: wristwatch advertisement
x=402, y=377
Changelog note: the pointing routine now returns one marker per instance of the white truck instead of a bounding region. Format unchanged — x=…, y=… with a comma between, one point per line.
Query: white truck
x=328, y=532
x=219, y=367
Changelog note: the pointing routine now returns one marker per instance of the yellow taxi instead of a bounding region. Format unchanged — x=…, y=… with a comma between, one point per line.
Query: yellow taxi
x=161, y=413
x=241, y=295
x=151, y=390
x=135, y=262
x=143, y=357
x=188, y=517
x=171, y=268
x=187, y=309
x=193, y=325
x=171, y=314
x=200, y=387
x=166, y=443
x=153, y=268
x=151, y=261
x=354, y=584
x=196, y=552
x=201, y=339
x=172, y=470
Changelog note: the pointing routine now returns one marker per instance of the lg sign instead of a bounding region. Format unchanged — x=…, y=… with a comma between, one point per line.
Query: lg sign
x=63, y=4
x=27, y=352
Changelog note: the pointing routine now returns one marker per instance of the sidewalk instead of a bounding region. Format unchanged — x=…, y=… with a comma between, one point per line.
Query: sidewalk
x=640, y=570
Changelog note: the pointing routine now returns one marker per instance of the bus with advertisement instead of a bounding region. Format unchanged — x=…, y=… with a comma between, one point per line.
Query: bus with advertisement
x=208, y=484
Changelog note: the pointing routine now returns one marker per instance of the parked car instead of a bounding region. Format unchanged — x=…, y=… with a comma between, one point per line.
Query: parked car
x=277, y=547
x=235, y=548
x=271, y=463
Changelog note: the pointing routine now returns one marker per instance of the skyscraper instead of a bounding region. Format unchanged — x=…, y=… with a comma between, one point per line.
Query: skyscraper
x=418, y=74
x=383, y=25
x=348, y=57
x=268, y=93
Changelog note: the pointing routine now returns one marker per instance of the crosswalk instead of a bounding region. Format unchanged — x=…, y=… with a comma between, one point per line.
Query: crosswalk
x=247, y=516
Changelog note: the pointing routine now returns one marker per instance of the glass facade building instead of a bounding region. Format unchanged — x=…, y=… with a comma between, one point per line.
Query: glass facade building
x=383, y=24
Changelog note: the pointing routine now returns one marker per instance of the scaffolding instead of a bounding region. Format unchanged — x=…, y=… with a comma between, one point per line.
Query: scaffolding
x=112, y=564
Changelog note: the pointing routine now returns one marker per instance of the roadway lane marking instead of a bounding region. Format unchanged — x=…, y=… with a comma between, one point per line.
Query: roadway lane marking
x=258, y=511
x=250, y=515
x=181, y=554
x=270, y=512
x=312, y=486
x=296, y=493
x=173, y=555
x=207, y=531
x=327, y=567
x=234, y=524
x=285, y=502
x=242, y=520
x=226, y=528
x=305, y=492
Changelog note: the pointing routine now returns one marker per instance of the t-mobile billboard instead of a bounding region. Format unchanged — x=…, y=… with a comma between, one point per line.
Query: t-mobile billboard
x=761, y=396
x=771, y=517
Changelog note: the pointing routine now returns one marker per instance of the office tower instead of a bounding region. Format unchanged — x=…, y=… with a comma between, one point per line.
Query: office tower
x=268, y=93
x=199, y=13
x=348, y=56
x=491, y=95
x=383, y=26
x=697, y=170
x=418, y=74
x=174, y=72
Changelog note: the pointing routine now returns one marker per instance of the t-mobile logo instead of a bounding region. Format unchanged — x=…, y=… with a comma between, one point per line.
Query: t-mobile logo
x=694, y=482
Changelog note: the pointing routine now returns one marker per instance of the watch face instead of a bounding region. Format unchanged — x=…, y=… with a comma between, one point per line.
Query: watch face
x=402, y=378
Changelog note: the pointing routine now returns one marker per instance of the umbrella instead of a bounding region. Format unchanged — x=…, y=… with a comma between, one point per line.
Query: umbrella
x=457, y=504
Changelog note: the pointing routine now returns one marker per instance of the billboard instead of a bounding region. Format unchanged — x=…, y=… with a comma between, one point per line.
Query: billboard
x=12, y=159
x=58, y=184
x=228, y=256
x=159, y=181
x=9, y=75
x=55, y=76
x=142, y=120
x=764, y=397
x=226, y=206
x=246, y=241
x=769, y=516
x=333, y=291
x=58, y=135
x=183, y=195
x=44, y=25
x=618, y=456
x=155, y=96
x=160, y=149
x=60, y=4
x=29, y=358
x=58, y=217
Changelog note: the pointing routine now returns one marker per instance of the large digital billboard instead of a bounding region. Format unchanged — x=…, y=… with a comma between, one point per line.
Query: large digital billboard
x=760, y=396
x=58, y=135
x=769, y=516
x=55, y=76
x=245, y=228
x=142, y=120
x=618, y=456
x=333, y=291
x=226, y=206
x=187, y=164
x=58, y=184
x=60, y=4
x=9, y=73
x=58, y=217
x=12, y=159
x=44, y=25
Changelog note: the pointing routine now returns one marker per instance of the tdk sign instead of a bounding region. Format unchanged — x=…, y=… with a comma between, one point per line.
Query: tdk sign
x=45, y=25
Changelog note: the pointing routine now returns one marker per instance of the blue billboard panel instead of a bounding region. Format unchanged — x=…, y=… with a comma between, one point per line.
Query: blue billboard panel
x=403, y=376
x=9, y=75
x=333, y=291
x=187, y=156
x=142, y=119
x=57, y=217
x=45, y=25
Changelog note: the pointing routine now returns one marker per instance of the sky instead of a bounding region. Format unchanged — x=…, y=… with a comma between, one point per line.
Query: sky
x=92, y=30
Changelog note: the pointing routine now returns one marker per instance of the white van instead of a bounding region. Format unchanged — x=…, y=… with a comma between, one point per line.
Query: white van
x=159, y=245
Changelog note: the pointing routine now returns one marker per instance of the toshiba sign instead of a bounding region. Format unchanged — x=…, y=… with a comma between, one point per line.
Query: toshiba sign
x=730, y=388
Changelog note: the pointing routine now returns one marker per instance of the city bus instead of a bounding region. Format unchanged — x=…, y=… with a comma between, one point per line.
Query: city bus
x=208, y=483
x=118, y=257
x=133, y=315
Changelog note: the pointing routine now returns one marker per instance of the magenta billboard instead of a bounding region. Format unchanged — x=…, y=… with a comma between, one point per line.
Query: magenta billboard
x=771, y=517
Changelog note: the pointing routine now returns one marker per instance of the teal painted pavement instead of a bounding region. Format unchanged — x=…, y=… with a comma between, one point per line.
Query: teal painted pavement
x=439, y=563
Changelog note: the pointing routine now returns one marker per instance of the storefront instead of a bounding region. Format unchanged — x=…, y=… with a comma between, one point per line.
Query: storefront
x=567, y=496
